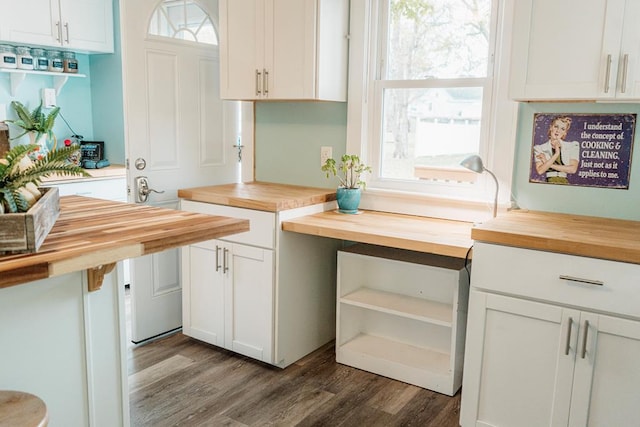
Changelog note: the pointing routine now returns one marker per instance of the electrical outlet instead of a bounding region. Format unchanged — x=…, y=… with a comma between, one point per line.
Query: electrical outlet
x=48, y=98
x=325, y=153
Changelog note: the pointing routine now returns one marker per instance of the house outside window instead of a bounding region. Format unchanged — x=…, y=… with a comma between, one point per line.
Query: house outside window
x=428, y=98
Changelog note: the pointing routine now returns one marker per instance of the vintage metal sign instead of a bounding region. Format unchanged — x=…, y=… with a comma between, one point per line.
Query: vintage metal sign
x=586, y=150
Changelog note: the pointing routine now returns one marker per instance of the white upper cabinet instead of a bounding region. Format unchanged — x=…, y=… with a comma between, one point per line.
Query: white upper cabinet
x=80, y=25
x=283, y=49
x=576, y=50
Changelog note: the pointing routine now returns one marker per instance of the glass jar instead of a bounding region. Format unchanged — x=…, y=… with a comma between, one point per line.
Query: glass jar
x=25, y=60
x=69, y=62
x=55, y=61
x=40, y=61
x=8, y=58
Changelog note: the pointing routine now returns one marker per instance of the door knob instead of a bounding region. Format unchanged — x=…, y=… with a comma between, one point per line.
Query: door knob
x=143, y=190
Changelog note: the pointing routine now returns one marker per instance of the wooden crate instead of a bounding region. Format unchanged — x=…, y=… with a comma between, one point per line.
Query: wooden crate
x=25, y=232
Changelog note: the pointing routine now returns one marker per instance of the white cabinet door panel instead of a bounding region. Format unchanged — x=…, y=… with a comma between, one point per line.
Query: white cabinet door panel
x=203, y=293
x=560, y=53
x=605, y=390
x=249, y=302
x=520, y=374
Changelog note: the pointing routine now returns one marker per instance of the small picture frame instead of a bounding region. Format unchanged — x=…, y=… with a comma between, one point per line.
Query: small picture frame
x=92, y=150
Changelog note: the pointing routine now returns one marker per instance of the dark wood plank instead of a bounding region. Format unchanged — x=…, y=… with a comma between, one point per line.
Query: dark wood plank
x=181, y=381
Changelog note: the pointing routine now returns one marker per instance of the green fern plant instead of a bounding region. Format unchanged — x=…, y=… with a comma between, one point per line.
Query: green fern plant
x=19, y=176
x=34, y=121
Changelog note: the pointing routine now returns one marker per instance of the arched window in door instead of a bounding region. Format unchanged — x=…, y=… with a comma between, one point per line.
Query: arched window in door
x=183, y=20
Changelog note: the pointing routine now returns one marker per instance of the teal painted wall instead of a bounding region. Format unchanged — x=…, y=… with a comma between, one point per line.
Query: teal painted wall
x=107, y=98
x=289, y=137
x=74, y=100
x=288, y=140
x=612, y=203
x=93, y=105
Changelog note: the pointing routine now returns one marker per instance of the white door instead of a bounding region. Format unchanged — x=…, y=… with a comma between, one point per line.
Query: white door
x=179, y=133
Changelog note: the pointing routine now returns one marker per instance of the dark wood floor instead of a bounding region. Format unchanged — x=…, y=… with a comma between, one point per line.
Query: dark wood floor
x=181, y=381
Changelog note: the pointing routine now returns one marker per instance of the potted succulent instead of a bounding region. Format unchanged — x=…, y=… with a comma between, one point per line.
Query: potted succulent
x=36, y=124
x=349, y=172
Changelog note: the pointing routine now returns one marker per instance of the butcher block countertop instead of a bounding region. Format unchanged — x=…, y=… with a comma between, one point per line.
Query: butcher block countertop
x=431, y=235
x=259, y=195
x=605, y=238
x=90, y=233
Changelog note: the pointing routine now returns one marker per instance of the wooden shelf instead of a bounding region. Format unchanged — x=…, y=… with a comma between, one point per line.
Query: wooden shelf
x=18, y=76
x=403, y=360
x=401, y=305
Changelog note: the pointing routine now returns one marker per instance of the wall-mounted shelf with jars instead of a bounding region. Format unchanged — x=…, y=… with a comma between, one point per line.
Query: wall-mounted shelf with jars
x=17, y=77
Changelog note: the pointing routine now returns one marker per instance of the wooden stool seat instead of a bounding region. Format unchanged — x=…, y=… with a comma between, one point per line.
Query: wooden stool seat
x=19, y=409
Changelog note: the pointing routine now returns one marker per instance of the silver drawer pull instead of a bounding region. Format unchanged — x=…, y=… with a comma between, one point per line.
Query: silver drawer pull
x=581, y=280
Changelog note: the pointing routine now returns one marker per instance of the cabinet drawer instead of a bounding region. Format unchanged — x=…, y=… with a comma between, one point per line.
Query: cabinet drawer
x=607, y=286
x=108, y=189
x=261, y=224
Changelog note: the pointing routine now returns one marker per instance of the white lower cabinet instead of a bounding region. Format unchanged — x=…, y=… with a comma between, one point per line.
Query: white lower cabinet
x=402, y=314
x=265, y=293
x=229, y=297
x=538, y=363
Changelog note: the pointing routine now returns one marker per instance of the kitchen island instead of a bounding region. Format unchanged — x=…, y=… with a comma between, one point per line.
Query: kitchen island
x=62, y=312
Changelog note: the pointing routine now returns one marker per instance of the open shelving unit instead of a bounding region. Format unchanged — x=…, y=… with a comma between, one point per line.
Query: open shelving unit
x=17, y=76
x=402, y=314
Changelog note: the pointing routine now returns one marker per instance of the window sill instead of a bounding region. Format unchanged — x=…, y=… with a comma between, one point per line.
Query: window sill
x=428, y=205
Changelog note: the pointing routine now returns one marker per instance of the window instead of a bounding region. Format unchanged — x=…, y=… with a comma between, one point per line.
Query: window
x=183, y=20
x=428, y=97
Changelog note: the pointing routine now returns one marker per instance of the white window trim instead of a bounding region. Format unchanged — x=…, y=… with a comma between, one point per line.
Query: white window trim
x=475, y=204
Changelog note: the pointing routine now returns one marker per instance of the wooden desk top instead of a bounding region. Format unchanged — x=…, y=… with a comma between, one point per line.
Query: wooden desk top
x=92, y=232
x=431, y=235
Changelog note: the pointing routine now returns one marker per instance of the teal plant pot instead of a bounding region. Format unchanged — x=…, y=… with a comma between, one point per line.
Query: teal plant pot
x=348, y=200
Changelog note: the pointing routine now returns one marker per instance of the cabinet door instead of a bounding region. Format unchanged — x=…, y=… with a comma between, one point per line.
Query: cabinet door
x=607, y=377
x=241, y=49
x=249, y=301
x=628, y=86
x=566, y=50
x=19, y=23
x=203, y=292
x=519, y=362
x=290, y=49
x=87, y=25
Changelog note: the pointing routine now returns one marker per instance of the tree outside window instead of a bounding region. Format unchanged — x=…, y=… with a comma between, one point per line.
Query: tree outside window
x=434, y=74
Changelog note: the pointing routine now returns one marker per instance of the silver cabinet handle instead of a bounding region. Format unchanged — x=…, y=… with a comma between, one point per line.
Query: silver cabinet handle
x=625, y=65
x=225, y=260
x=258, y=83
x=584, y=339
x=59, y=31
x=266, y=82
x=567, y=346
x=581, y=280
x=66, y=27
x=607, y=75
x=217, y=258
